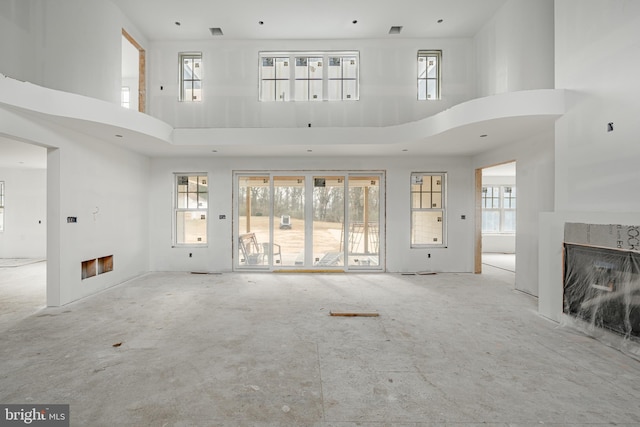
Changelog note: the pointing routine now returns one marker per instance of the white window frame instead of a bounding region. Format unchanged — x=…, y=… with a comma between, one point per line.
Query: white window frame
x=502, y=189
x=425, y=56
x=182, y=56
x=1, y=206
x=289, y=94
x=442, y=209
x=125, y=97
x=177, y=210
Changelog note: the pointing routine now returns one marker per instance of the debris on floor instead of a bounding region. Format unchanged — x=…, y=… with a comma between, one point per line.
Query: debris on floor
x=353, y=314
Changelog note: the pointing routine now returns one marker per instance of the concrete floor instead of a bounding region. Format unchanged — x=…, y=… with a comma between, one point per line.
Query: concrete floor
x=498, y=260
x=262, y=350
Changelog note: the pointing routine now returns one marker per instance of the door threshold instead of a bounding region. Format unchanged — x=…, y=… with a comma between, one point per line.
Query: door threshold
x=309, y=270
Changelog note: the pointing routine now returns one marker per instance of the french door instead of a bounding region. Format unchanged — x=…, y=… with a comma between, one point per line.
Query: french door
x=311, y=220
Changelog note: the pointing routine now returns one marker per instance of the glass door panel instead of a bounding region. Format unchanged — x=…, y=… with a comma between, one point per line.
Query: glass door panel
x=363, y=242
x=288, y=221
x=328, y=221
x=254, y=213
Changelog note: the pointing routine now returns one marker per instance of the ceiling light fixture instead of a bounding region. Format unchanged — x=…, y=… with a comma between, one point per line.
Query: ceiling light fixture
x=217, y=31
x=395, y=29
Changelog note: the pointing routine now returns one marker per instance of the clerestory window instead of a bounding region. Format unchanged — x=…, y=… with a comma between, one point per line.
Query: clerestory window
x=429, y=74
x=309, y=76
x=190, y=77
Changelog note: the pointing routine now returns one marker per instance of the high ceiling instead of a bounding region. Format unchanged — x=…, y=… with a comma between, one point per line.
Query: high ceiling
x=305, y=19
x=302, y=19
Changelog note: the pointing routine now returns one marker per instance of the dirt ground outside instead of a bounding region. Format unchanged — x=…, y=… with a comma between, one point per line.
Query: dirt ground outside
x=328, y=237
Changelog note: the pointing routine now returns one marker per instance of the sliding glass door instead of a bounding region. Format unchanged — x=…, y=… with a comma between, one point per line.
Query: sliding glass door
x=317, y=221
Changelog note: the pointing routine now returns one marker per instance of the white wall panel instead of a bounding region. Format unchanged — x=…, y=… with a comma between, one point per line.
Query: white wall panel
x=25, y=225
x=514, y=50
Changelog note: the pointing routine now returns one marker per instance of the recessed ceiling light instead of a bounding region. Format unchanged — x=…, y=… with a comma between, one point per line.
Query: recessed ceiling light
x=177, y=23
x=484, y=135
x=395, y=29
x=217, y=31
x=440, y=21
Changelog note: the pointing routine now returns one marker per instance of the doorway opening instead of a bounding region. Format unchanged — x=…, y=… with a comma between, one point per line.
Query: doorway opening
x=309, y=221
x=496, y=199
x=133, y=91
x=23, y=228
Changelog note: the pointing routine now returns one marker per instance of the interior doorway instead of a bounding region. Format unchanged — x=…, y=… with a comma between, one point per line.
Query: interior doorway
x=23, y=228
x=311, y=220
x=133, y=91
x=496, y=227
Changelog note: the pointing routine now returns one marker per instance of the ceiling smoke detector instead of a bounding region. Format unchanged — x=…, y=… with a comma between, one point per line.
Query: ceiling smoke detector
x=395, y=29
x=216, y=31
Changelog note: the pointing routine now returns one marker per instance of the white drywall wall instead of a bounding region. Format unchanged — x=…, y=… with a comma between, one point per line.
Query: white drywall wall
x=596, y=171
x=514, y=50
x=388, y=85
x=597, y=58
x=25, y=225
x=70, y=45
x=535, y=182
x=105, y=188
x=458, y=256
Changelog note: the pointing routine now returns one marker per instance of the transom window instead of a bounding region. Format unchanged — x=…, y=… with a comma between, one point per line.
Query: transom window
x=498, y=209
x=191, y=207
x=428, y=209
x=190, y=77
x=309, y=76
x=429, y=74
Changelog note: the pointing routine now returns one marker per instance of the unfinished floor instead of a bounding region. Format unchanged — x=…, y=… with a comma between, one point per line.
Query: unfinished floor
x=177, y=349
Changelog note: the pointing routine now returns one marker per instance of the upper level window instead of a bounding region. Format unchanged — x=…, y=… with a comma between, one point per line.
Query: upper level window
x=308, y=76
x=125, y=97
x=309, y=81
x=428, y=209
x=498, y=209
x=429, y=74
x=190, y=77
x=275, y=75
x=1, y=205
